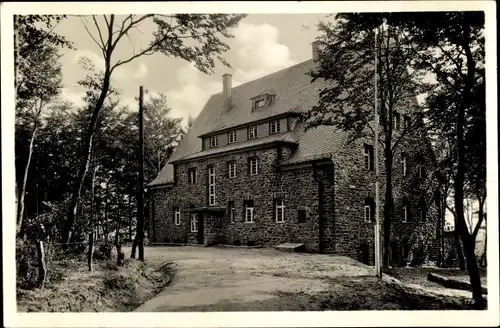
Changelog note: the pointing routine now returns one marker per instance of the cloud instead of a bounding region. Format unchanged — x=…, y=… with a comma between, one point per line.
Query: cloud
x=189, y=99
x=76, y=97
x=258, y=52
x=141, y=72
x=188, y=74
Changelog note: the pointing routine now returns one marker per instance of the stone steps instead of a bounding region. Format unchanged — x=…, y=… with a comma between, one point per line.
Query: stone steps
x=291, y=247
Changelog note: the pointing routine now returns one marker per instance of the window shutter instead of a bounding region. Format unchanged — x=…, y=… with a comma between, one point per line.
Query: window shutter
x=372, y=159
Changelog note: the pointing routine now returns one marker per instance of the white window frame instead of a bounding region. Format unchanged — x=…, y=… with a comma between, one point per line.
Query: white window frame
x=397, y=121
x=405, y=213
x=232, y=170
x=211, y=185
x=367, y=157
x=367, y=208
x=403, y=159
x=249, y=210
x=280, y=205
x=274, y=125
x=420, y=170
x=256, y=161
x=177, y=216
x=406, y=121
x=252, y=132
x=194, y=223
x=232, y=212
x=259, y=101
x=192, y=175
x=214, y=141
x=231, y=137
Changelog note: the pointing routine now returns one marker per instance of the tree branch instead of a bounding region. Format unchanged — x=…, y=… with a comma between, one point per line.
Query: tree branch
x=90, y=34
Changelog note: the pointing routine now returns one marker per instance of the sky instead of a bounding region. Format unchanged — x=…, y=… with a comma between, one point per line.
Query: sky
x=262, y=44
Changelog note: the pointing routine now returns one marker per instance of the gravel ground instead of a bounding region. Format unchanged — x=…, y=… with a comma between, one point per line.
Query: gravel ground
x=229, y=279
x=218, y=279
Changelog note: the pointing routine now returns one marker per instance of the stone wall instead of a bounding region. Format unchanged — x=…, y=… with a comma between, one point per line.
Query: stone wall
x=354, y=236
x=334, y=224
x=298, y=186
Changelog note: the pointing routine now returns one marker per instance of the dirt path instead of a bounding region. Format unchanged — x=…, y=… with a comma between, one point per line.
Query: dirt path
x=216, y=279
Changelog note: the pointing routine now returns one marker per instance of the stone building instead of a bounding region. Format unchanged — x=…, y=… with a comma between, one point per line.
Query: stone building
x=247, y=173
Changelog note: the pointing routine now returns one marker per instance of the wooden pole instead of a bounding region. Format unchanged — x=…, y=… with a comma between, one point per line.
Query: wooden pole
x=42, y=267
x=378, y=258
x=140, y=216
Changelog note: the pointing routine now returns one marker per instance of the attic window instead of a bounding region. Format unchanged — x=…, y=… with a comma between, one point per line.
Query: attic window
x=214, y=141
x=259, y=103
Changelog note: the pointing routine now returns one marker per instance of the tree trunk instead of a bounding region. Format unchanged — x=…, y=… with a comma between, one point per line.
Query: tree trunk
x=134, y=246
x=105, y=226
x=466, y=237
x=42, y=264
x=90, y=257
x=82, y=172
x=20, y=203
x=130, y=217
x=92, y=221
x=456, y=238
x=387, y=205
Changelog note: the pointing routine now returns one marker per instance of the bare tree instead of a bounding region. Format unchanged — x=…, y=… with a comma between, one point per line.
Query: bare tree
x=205, y=33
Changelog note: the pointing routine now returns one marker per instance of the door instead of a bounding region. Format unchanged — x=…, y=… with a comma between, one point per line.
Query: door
x=200, y=218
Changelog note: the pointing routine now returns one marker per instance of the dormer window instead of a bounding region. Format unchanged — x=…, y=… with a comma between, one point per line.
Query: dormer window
x=259, y=103
x=214, y=141
x=232, y=136
x=274, y=127
x=252, y=132
x=262, y=100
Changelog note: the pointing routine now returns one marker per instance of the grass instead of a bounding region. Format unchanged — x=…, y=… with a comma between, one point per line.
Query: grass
x=72, y=288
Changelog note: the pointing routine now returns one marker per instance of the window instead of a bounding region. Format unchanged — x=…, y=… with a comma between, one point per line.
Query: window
x=214, y=141
x=177, y=215
x=254, y=166
x=194, y=223
x=232, y=136
x=232, y=210
x=421, y=170
x=397, y=121
x=403, y=162
x=369, y=210
x=232, y=169
x=211, y=185
x=279, y=211
x=368, y=155
x=259, y=103
x=406, y=211
x=248, y=205
x=302, y=216
x=274, y=127
x=252, y=132
x=406, y=120
x=421, y=212
x=192, y=175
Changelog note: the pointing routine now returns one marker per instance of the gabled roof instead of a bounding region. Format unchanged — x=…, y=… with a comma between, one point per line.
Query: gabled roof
x=295, y=93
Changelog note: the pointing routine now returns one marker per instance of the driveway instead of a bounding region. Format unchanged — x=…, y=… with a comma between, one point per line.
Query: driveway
x=236, y=279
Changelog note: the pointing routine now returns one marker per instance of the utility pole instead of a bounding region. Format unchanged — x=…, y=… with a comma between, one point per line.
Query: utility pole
x=140, y=200
x=378, y=257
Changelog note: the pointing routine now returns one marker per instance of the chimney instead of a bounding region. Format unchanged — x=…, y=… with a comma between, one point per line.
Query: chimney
x=226, y=91
x=315, y=49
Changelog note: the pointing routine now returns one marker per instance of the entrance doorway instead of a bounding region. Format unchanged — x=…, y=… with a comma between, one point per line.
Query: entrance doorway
x=200, y=236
